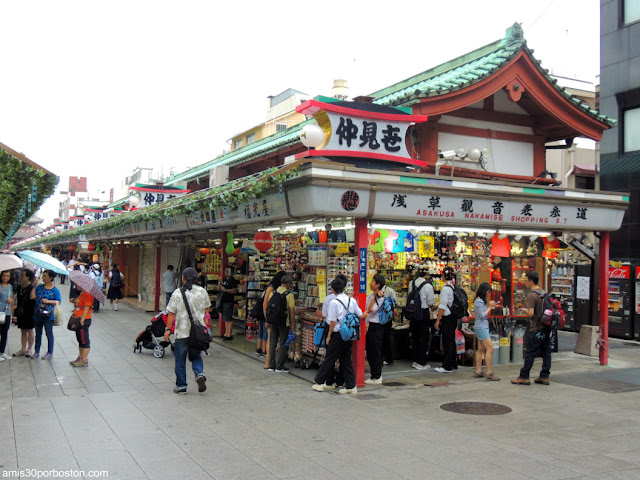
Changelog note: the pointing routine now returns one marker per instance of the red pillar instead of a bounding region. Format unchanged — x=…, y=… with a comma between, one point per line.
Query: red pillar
x=361, y=243
x=156, y=299
x=224, y=261
x=604, y=298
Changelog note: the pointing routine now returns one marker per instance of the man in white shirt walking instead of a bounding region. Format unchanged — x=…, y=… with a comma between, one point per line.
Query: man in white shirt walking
x=337, y=348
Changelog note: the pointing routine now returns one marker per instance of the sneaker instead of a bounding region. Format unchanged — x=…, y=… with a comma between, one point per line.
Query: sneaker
x=263, y=354
x=79, y=363
x=180, y=390
x=493, y=377
x=387, y=363
x=258, y=352
x=201, y=380
x=1, y=359
x=542, y=381
x=373, y=381
x=441, y=370
x=414, y=364
x=329, y=387
x=272, y=369
x=35, y=354
x=347, y=391
x=116, y=307
x=317, y=387
x=282, y=370
x=521, y=381
x=6, y=357
x=46, y=356
x=19, y=353
x=74, y=361
x=422, y=367
x=205, y=353
x=478, y=375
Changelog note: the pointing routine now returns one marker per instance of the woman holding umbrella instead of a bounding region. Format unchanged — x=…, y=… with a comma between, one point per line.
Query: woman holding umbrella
x=47, y=296
x=83, y=307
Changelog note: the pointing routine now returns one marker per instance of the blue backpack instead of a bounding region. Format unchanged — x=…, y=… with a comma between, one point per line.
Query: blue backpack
x=320, y=332
x=349, y=324
x=385, y=311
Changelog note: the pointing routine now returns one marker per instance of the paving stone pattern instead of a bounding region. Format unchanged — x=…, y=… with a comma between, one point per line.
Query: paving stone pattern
x=120, y=415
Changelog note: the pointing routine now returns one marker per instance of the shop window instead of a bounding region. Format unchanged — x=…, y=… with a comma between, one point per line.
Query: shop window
x=631, y=128
x=281, y=127
x=237, y=144
x=251, y=138
x=629, y=115
x=585, y=182
x=630, y=11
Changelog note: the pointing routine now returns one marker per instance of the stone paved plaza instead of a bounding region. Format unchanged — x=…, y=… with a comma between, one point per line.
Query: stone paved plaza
x=120, y=415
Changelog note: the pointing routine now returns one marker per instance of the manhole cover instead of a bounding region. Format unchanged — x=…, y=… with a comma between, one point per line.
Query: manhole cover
x=476, y=408
x=394, y=384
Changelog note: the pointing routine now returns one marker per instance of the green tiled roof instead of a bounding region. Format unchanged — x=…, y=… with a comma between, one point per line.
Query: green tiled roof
x=468, y=69
x=262, y=147
x=613, y=164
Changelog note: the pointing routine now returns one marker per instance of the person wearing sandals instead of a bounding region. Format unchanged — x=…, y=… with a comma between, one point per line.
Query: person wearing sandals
x=25, y=307
x=45, y=295
x=6, y=301
x=482, y=306
x=83, y=305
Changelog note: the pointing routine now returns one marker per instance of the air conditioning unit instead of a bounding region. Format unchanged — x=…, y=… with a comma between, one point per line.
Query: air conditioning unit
x=218, y=175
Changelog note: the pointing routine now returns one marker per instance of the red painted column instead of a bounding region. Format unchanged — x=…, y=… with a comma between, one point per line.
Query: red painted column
x=361, y=242
x=224, y=261
x=156, y=299
x=604, y=298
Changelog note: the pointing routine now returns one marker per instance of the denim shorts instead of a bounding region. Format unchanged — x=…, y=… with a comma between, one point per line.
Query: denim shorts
x=263, y=333
x=481, y=333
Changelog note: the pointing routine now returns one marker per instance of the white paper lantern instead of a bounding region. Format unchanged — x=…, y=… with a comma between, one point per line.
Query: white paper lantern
x=134, y=201
x=311, y=136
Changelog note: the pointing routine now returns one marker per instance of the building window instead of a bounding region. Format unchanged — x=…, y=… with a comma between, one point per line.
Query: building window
x=631, y=129
x=585, y=182
x=630, y=11
x=281, y=127
x=251, y=138
x=237, y=144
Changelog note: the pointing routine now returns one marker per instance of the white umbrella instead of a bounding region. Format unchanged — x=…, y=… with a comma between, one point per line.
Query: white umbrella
x=43, y=260
x=8, y=261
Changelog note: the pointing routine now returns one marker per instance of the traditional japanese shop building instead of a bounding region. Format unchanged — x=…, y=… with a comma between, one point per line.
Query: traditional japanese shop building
x=455, y=151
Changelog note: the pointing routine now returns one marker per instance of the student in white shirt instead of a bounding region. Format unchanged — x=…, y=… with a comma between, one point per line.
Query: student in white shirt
x=375, y=331
x=337, y=348
x=420, y=328
x=447, y=323
x=337, y=379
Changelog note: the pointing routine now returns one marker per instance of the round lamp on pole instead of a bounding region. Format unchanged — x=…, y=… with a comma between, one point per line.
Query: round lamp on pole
x=311, y=136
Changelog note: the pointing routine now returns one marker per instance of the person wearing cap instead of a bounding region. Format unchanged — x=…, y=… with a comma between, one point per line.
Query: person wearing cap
x=420, y=328
x=199, y=303
x=97, y=275
x=447, y=323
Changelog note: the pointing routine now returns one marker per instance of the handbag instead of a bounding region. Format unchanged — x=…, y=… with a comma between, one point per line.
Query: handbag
x=44, y=311
x=199, y=336
x=3, y=318
x=57, y=316
x=219, y=304
x=74, y=323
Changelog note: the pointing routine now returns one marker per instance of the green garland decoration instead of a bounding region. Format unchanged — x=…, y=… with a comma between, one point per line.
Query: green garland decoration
x=23, y=190
x=230, y=195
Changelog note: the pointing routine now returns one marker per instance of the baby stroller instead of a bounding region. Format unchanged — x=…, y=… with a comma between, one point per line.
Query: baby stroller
x=152, y=337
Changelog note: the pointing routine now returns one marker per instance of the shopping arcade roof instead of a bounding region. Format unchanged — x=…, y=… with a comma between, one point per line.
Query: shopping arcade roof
x=313, y=190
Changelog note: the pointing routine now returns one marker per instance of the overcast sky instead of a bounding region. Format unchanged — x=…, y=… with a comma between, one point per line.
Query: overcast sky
x=97, y=88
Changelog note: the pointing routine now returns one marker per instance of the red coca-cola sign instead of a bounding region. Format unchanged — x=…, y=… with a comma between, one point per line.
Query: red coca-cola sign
x=623, y=272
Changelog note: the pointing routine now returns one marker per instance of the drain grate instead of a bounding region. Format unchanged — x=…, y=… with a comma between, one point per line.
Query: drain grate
x=438, y=384
x=394, y=384
x=476, y=408
x=369, y=396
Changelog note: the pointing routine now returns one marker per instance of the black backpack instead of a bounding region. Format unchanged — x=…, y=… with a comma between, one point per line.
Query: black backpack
x=277, y=309
x=413, y=309
x=550, y=316
x=256, y=312
x=116, y=279
x=460, y=305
